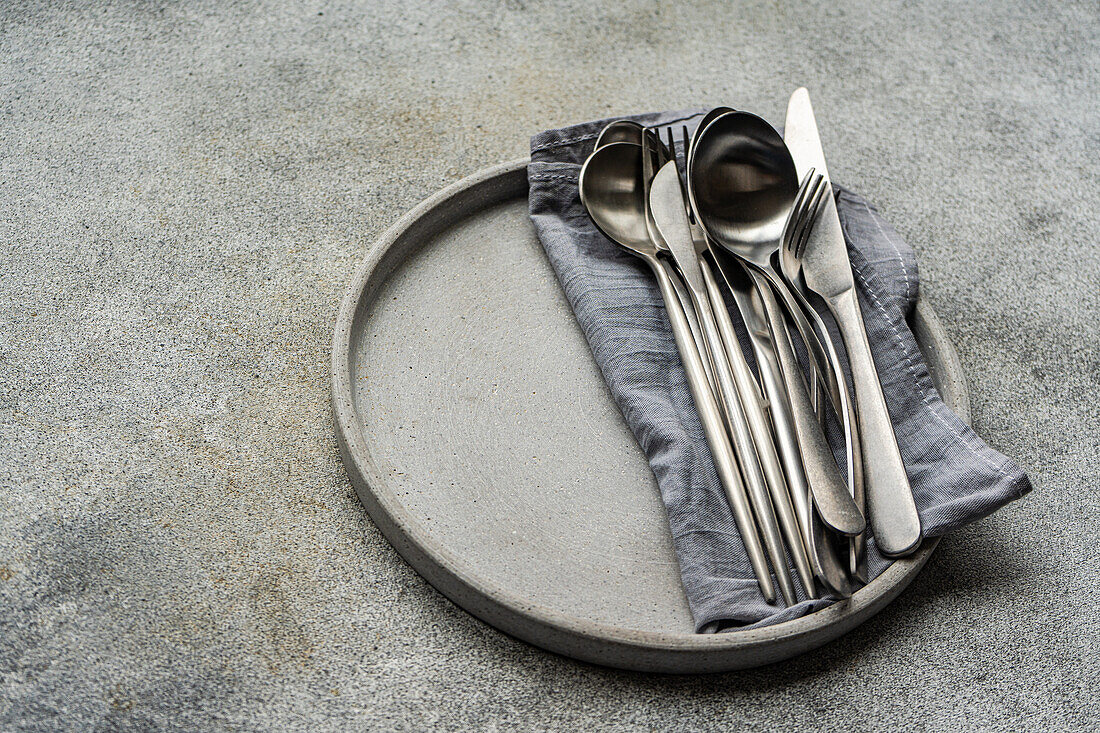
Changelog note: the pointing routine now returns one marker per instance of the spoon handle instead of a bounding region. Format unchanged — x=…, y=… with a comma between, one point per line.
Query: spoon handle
x=845, y=409
x=837, y=508
x=753, y=402
x=824, y=564
x=692, y=319
x=822, y=473
x=714, y=429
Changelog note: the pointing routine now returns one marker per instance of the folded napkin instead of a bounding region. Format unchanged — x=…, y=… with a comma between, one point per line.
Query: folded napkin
x=956, y=477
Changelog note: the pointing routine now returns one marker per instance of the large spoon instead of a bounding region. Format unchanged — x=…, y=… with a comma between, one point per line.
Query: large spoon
x=743, y=183
x=612, y=190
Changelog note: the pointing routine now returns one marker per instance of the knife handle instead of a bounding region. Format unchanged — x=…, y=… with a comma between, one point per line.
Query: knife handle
x=894, y=519
x=715, y=431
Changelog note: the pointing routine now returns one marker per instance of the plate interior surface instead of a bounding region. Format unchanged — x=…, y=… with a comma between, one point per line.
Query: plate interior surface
x=497, y=431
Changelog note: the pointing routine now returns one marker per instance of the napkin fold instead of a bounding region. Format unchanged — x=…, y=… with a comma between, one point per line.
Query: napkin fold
x=956, y=477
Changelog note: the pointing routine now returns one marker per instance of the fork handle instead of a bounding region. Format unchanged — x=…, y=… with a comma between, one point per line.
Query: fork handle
x=715, y=431
x=894, y=519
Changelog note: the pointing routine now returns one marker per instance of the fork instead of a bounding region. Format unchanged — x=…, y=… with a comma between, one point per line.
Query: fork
x=796, y=235
x=810, y=197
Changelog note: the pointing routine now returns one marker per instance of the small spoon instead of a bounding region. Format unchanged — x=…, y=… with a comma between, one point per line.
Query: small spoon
x=611, y=189
x=620, y=131
x=743, y=183
x=624, y=131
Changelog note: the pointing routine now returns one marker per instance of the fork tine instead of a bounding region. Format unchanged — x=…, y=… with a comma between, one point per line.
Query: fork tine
x=821, y=186
x=798, y=232
x=796, y=210
x=823, y=191
x=671, y=142
x=803, y=204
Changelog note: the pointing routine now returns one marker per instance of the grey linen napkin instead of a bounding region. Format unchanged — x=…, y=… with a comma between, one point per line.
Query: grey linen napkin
x=956, y=477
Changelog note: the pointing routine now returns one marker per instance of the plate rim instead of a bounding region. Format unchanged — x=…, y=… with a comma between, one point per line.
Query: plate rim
x=554, y=630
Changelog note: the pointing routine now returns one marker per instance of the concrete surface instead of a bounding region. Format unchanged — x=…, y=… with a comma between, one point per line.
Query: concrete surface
x=184, y=189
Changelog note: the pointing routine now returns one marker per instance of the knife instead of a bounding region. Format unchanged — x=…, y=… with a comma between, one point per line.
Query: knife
x=670, y=218
x=828, y=272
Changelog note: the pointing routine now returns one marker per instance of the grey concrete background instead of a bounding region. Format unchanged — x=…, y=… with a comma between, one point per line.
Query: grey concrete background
x=184, y=191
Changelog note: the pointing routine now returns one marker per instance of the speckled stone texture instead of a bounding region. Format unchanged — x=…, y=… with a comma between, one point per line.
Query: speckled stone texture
x=185, y=189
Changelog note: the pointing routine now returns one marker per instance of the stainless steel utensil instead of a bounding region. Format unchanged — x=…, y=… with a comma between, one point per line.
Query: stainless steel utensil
x=688, y=145
x=630, y=132
x=753, y=401
x=774, y=393
x=620, y=131
x=706, y=120
x=811, y=194
x=668, y=208
x=742, y=185
x=654, y=155
x=612, y=190
x=823, y=564
x=827, y=271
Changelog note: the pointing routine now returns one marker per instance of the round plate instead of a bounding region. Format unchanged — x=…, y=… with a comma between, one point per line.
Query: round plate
x=481, y=438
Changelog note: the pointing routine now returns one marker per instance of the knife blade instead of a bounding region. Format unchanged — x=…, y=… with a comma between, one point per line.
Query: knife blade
x=828, y=272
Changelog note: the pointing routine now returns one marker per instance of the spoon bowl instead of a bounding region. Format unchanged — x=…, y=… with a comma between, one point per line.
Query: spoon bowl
x=707, y=119
x=611, y=188
x=743, y=184
x=620, y=131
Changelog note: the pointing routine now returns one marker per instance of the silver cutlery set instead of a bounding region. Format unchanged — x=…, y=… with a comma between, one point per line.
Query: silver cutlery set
x=754, y=216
